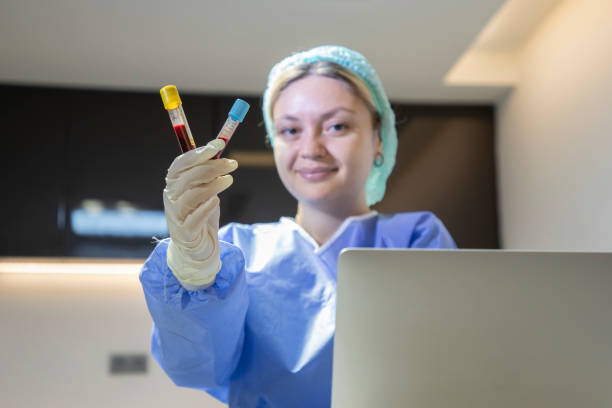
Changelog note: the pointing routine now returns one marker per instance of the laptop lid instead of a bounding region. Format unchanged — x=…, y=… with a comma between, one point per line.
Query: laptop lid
x=433, y=329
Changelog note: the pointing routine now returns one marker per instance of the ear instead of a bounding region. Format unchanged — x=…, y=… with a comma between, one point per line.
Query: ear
x=378, y=141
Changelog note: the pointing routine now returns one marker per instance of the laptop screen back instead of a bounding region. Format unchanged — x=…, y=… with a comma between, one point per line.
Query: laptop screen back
x=433, y=329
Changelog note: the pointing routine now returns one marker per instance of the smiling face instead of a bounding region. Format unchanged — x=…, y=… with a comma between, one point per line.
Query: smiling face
x=324, y=143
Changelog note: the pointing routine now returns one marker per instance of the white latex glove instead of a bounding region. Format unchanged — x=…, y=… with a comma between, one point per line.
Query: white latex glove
x=192, y=212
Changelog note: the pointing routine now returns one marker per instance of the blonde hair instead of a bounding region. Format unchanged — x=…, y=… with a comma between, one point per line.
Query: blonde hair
x=330, y=70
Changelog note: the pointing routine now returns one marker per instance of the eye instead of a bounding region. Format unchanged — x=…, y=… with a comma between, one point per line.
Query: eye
x=338, y=127
x=288, y=132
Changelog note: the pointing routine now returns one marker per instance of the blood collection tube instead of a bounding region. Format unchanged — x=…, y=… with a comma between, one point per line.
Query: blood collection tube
x=174, y=106
x=235, y=116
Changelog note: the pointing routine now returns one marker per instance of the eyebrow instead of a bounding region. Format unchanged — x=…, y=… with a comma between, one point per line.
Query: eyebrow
x=324, y=116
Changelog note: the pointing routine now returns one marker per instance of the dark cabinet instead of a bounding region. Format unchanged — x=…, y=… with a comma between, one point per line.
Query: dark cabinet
x=71, y=155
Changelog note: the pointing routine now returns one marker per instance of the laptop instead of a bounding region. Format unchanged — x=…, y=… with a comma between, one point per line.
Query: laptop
x=494, y=329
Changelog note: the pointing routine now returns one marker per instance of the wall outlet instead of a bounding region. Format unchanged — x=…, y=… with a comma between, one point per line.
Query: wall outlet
x=128, y=364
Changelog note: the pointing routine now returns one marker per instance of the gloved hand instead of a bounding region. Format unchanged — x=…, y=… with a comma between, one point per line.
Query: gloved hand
x=192, y=212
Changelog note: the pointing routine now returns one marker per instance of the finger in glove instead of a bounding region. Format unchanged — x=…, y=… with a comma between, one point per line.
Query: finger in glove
x=203, y=173
x=194, y=157
x=179, y=209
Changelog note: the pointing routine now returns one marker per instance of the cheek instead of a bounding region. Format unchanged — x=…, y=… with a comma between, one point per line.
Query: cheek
x=359, y=154
x=358, y=159
x=284, y=157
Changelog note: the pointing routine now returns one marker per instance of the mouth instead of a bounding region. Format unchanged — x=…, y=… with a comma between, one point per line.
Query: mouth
x=316, y=173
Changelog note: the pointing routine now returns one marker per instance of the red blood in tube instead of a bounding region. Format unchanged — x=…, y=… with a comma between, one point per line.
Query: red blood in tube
x=225, y=139
x=183, y=138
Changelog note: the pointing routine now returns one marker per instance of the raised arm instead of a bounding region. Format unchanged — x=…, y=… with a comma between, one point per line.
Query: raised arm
x=195, y=285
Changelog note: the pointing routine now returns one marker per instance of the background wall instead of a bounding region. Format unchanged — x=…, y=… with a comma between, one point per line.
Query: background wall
x=58, y=333
x=554, y=135
x=446, y=164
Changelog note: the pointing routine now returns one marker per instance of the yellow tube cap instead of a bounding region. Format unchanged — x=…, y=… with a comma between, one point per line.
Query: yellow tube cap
x=170, y=97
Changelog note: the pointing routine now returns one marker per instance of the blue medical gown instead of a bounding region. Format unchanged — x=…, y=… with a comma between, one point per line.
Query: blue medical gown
x=262, y=335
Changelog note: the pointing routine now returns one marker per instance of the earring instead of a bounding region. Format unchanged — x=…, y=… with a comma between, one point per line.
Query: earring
x=379, y=159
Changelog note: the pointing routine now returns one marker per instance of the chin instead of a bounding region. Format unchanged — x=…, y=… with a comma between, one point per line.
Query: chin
x=323, y=200
x=315, y=191
x=324, y=194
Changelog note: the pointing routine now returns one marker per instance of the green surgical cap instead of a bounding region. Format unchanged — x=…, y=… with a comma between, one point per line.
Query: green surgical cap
x=359, y=65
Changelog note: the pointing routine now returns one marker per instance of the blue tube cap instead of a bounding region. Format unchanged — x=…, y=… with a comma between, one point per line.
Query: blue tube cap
x=239, y=110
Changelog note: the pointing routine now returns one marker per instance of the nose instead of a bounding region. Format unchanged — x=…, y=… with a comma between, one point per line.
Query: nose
x=312, y=146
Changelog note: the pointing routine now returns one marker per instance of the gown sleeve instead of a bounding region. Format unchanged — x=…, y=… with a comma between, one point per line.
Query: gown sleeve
x=197, y=336
x=430, y=232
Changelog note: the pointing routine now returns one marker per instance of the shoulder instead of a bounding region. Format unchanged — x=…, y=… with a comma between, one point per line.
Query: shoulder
x=236, y=232
x=420, y=229
x=259, y=243
x=401, y=222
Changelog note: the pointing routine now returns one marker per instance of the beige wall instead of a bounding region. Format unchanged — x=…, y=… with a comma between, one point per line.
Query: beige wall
x=555, y=135
x=58, y=331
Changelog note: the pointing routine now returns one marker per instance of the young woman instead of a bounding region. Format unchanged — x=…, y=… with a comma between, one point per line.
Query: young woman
x=247, y=313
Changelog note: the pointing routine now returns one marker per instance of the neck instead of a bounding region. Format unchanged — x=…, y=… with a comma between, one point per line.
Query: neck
x=322, y=223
